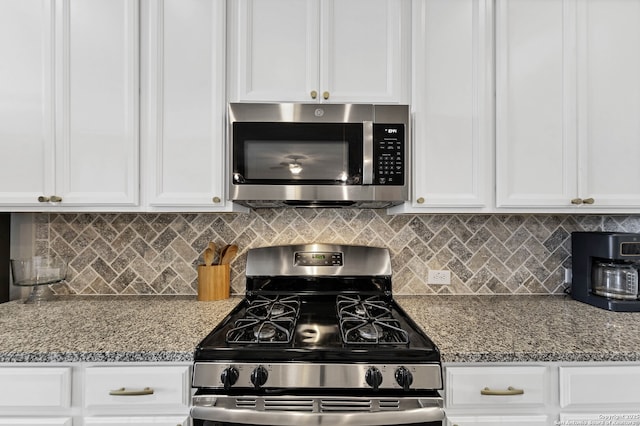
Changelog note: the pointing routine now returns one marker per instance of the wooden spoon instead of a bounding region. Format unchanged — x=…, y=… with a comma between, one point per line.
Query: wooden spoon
x=212, y=247
x=208, y=257
x=223, y=250
x=229, y=254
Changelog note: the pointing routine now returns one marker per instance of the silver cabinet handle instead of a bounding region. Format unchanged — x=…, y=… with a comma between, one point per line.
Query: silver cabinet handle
x=43, y=199
x=131, y=392
x=588, y=201
x=420, y=200
x=314, y=94
x=216, y=200
x=325, y=95
x=576, y=201
x=502, y=392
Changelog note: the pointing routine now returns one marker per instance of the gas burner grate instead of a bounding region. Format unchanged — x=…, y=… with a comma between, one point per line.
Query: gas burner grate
x=368, y=321
x=266, y=320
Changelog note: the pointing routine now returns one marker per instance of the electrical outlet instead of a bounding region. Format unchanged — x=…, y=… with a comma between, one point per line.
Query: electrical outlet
x=439, y=277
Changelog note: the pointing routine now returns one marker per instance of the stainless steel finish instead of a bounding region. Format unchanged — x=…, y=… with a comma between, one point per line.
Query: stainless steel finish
x=279, y=261
x=367, y=152
x=316, y=376
x=358, y=196
x=317, y=410
x=307, y=113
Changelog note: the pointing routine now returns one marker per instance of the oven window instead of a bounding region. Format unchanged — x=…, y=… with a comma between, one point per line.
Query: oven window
x=297, y=153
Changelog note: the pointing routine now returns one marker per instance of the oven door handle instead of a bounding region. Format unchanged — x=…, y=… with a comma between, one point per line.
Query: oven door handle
x=431, y=411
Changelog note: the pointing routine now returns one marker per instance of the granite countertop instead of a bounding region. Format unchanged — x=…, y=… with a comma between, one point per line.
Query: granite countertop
x=465, y=328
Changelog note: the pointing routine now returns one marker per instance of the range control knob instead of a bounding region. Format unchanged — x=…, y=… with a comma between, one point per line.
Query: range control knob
x=404, y=378
x=259, y=376
x=373, y=377
x=229, y=377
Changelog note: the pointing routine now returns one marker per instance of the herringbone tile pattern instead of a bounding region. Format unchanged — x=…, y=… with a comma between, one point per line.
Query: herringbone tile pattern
x=158, y=253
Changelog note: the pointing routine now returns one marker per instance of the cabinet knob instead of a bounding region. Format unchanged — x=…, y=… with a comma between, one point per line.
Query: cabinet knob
x=420, y=200
x=314, y=94
x=576, y=201
x=325, y=95
x=588, y=201
x=55, y=199
x=43, y=199
x=216, y=200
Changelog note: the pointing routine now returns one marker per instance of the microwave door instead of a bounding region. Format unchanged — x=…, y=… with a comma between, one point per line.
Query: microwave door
x=298, y=153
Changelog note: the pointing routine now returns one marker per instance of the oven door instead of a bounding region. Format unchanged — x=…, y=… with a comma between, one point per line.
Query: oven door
x=284, y=410
x=276, y=153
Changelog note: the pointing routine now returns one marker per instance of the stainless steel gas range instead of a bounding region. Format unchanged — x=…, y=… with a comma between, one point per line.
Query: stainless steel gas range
x=318, y=340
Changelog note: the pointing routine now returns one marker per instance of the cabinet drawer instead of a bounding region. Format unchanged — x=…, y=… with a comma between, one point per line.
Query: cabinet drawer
x=138, y=421
x=161, y=388
x=504, y=386
x=35, y=387
x=35, y=421
x=607, y=385
x=539, y=420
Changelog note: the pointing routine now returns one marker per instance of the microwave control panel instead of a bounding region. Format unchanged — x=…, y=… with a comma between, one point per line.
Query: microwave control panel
x=388, y=154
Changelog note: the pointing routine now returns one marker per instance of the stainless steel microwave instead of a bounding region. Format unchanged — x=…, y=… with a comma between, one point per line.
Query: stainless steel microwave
x=310, y=155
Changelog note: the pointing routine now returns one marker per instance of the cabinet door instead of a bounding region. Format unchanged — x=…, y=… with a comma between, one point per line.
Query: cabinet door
x=452, y=103
x=535, y=103
x=97, y=102
x=273, y=50
x=36, y=421
x=26, y=101
x=498, y=420
x=29, y=388
x=137, y=421
x=609, y=102
x=364, y=51
x=584, y=387
x=184, y=101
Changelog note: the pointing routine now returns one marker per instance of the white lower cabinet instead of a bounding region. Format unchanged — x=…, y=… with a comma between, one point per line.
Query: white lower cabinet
x=544, y=393
x=138, y=420
x=607, y=395
x=142, y=390
x=36, y=421
x=498, y=394
x=109, y=393
x=540, y=420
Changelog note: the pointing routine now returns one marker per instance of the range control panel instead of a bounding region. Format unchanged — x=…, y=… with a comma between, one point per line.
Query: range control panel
x=318, y=259
x=388, y=154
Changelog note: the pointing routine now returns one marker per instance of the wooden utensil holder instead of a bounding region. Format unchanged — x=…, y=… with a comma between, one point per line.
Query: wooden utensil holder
x=213, y=282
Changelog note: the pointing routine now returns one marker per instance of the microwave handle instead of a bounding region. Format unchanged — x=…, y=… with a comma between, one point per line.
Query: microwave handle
x=367, y=152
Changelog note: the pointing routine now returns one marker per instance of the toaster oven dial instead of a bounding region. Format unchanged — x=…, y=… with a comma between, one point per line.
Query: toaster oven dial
x=404, y=378
x=259, y=376
x=229, y=377
x=373, y=377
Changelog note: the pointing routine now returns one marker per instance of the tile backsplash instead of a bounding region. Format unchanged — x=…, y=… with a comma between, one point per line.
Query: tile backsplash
x=158, y=253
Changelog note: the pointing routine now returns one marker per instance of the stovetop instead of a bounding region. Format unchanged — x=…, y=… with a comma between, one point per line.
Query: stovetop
x=318, y=328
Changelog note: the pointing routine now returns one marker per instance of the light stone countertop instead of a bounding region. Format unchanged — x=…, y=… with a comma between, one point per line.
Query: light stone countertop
x=465, y=328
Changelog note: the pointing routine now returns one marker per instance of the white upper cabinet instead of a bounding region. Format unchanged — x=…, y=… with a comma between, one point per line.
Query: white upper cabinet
x=568, y=101
x=319, y=50
x=184, y=104
x=26, y=101
x=69, y=108
x=452, y=106
x=609, y=102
